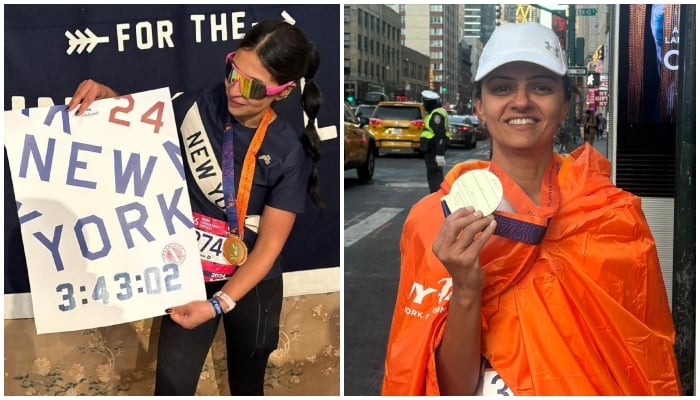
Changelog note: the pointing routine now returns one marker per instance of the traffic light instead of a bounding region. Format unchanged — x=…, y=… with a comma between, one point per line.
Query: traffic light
x=430, y=78
x=593, y=79
x=444, y=89
x=350, y=92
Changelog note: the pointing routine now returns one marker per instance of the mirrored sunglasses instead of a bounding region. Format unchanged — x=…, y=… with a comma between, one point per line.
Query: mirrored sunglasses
x=250, y=87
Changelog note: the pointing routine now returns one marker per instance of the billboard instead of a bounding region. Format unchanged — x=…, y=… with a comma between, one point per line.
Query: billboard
x=648, y=98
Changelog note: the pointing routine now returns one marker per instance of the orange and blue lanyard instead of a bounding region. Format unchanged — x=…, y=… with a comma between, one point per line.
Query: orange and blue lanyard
x=237, y=203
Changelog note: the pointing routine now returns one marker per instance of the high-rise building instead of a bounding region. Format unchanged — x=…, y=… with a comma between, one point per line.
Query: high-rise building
x=375, y=59
x=472, y=20
x=491, y=17
x=372, y=50
x=436, y=30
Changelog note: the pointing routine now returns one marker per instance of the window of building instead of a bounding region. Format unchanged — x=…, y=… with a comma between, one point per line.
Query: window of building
x=436, y=20
x=436, y=7
x=360, y=13
x=347, y=14
x=346, y=39
x=436, y=43
x=347, y=64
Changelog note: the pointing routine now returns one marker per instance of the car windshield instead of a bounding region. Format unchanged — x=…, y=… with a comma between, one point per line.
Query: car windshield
x=457, y=119
x=365, y=111
x=473, y=119
x=398, y=113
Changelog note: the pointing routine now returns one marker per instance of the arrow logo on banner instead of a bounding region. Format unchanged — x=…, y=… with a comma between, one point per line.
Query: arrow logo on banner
x=80, y=41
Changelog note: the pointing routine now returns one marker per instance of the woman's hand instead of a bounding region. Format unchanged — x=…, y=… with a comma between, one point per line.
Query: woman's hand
x=87, y=92
x=192, y=314
x=458, y=244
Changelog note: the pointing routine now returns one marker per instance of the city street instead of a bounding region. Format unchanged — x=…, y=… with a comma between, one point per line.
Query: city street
x=374, y=216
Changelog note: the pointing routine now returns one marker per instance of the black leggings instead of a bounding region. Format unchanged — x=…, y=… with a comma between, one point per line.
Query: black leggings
x=252, y=333
x=434, y=172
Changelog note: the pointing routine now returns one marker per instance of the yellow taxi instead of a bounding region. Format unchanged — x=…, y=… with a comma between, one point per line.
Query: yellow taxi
x=397, y=126
x=360, y=151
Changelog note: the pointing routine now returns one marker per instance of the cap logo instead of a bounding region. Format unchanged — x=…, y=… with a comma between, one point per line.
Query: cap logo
x=549, y=48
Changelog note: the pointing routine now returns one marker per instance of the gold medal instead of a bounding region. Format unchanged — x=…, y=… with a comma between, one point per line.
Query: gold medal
x=235, y=250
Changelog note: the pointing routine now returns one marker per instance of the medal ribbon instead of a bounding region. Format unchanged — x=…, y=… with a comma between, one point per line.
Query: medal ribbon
x=237, y=209
x=529, y=222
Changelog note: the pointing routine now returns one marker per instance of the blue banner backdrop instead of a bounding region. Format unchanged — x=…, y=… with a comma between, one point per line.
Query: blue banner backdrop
x=49, y=49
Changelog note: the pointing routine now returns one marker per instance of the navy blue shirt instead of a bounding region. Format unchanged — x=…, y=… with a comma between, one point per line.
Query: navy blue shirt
x=282, y=167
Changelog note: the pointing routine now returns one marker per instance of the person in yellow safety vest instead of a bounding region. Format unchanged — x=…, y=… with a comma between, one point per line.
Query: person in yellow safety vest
x=434, y=138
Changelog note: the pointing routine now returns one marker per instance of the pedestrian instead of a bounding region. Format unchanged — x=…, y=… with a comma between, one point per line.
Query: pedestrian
x=602, y=123
x=559, y=290
x=434, y=138
x=263, y=195
x=591, y=126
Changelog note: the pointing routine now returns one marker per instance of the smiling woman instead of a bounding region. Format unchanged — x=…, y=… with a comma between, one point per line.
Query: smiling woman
x=564, y=243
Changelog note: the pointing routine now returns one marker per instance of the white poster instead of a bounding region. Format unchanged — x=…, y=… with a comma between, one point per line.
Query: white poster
x=105, y=216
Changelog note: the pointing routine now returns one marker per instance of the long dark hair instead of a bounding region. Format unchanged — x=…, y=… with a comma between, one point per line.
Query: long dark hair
x=285, y=51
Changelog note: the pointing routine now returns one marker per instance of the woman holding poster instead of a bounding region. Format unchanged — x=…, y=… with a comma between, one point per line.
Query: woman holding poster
x=248, y=174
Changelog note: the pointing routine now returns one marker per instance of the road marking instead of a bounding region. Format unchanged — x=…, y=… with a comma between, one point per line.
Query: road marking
x=369, y=224
x=407, y=184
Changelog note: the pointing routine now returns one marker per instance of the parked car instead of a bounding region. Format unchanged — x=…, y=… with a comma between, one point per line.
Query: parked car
x=397, y=126
x=462, y=131
x=360, y=150
x=481, y=133
x=365, y=110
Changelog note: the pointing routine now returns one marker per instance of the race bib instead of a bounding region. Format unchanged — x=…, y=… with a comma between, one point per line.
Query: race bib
x=211, y=234
x=494, y=385
x=491, y=382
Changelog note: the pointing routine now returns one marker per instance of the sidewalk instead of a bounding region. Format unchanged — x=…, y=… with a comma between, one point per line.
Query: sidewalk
x=602, y=145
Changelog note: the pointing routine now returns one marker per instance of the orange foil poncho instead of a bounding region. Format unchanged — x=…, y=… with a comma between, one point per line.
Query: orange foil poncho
x=585, y=312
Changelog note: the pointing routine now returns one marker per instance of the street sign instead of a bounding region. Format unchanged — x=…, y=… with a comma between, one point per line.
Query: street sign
x=587, y=12
x=577, y=71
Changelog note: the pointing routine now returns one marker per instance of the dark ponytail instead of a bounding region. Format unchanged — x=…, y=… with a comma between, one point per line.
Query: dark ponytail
x=311, y=100
x=289, y=56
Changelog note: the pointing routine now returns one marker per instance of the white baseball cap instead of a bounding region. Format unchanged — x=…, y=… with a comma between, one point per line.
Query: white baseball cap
x=529, y=42
x=429, y=95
